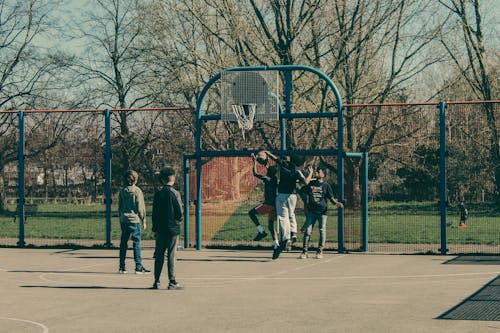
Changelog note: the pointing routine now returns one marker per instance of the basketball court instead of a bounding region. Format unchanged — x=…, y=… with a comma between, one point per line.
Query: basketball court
x=63, y=290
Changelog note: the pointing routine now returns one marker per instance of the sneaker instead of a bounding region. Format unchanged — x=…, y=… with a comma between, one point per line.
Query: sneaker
x=276, y=253
x=279, y=249
x=122, y=271
x=294, y=237
x=155, y=285
x=260, y=236
x=319, y=254
x=303, y=255
x=142, y=270
x=174, y=286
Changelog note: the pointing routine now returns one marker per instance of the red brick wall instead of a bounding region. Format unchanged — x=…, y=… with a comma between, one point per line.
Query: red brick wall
x=225, y=178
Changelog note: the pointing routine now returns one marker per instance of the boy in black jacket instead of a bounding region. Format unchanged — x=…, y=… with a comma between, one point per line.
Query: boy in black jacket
x=167, y=215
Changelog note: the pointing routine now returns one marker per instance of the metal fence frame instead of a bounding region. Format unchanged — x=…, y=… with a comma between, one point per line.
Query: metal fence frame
x=107, y=112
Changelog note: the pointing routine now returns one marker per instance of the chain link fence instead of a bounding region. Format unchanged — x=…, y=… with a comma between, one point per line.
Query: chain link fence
x=66, y=201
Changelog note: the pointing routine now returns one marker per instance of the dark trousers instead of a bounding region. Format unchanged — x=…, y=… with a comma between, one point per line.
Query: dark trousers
x=166, y=243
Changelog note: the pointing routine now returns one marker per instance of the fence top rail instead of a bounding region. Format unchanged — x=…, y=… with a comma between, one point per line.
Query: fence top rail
x=419, y=103
x=191, y=109
x=494, y=101
x=100, y=110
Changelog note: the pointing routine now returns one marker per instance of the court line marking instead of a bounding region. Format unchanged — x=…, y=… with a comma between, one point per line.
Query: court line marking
x=45, y=328
x=272, y=277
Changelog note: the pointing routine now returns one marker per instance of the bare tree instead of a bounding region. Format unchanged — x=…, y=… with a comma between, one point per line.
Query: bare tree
x=473, y=66
x=376, y=51
x=26, y=73
x=113, y=67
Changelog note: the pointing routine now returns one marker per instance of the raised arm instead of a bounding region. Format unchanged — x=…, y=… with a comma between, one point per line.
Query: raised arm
x=254, y=159
x=275, y=158
x=309, y=175
x=255, y=173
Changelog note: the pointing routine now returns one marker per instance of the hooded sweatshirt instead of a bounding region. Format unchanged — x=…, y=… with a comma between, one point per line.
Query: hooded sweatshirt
x=131, y=207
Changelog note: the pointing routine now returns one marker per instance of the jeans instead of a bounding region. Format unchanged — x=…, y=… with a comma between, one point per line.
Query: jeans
x=131, y=230
x=285, y=209
x=311, y=219
x=165, y=243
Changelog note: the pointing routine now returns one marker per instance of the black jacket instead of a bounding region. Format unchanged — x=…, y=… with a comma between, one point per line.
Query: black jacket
x=167, y=211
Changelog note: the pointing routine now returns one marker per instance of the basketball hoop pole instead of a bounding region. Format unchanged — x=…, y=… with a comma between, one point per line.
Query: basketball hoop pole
x=286, y=69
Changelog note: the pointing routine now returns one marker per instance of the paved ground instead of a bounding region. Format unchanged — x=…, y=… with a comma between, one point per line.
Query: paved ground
x=46, y=290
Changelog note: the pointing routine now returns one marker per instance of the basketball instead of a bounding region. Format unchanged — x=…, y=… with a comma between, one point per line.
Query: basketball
x=262, y=158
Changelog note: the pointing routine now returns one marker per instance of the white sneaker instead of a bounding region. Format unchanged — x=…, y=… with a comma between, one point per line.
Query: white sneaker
x=319, y=255
x=303, y=255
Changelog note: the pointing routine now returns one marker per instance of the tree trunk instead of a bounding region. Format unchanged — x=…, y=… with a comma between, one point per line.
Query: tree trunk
x=352, y=186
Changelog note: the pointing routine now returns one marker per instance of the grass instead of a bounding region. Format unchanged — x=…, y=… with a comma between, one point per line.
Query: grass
x=410, y=223
x=407, y=223
x=66, y=221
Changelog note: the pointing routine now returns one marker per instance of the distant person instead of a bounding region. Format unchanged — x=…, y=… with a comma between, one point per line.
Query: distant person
x=132, y=214
x=464, y=215
x=167, y=216
x=286, y=200
x=317, y=193
x=268, y=206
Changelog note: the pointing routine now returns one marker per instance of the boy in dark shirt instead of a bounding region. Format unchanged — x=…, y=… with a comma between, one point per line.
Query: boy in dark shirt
x=268, y=206
x=286, y=200
x=167, y=215
x=317, y=194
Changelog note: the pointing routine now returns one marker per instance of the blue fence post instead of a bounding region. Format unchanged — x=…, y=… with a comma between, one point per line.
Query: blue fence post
x=20, y=166
x=288, y=107
x=364, y=202
x=340, y=177
x=186, y=201
x=198, y=200
x=443, y=200
x=107, y=176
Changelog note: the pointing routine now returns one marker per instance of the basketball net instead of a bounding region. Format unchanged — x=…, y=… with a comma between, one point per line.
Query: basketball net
x=245, y=114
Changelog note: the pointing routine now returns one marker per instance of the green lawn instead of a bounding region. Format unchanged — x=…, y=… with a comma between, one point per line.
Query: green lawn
x=388, y=223
x=66, y=221
x=410, y=223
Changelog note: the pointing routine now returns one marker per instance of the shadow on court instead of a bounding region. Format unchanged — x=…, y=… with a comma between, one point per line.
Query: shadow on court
x=61, y=272
x=474, y=260
x=482, y=305
x=228, y=259
x=87, y=287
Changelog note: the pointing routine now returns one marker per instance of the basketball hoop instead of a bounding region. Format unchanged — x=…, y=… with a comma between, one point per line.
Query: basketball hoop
x=245, y=114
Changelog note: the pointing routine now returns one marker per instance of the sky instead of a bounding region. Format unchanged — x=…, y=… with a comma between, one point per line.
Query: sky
x=70, y=12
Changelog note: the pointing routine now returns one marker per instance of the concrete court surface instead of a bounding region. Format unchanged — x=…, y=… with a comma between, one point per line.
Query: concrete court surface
x=63, y=290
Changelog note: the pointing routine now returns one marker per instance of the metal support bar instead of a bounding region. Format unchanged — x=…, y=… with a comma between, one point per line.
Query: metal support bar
x=107, y=176
x=288, y=86
x=364, y=202
x=186, y=201
x=442, y=174
x=21, y=200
